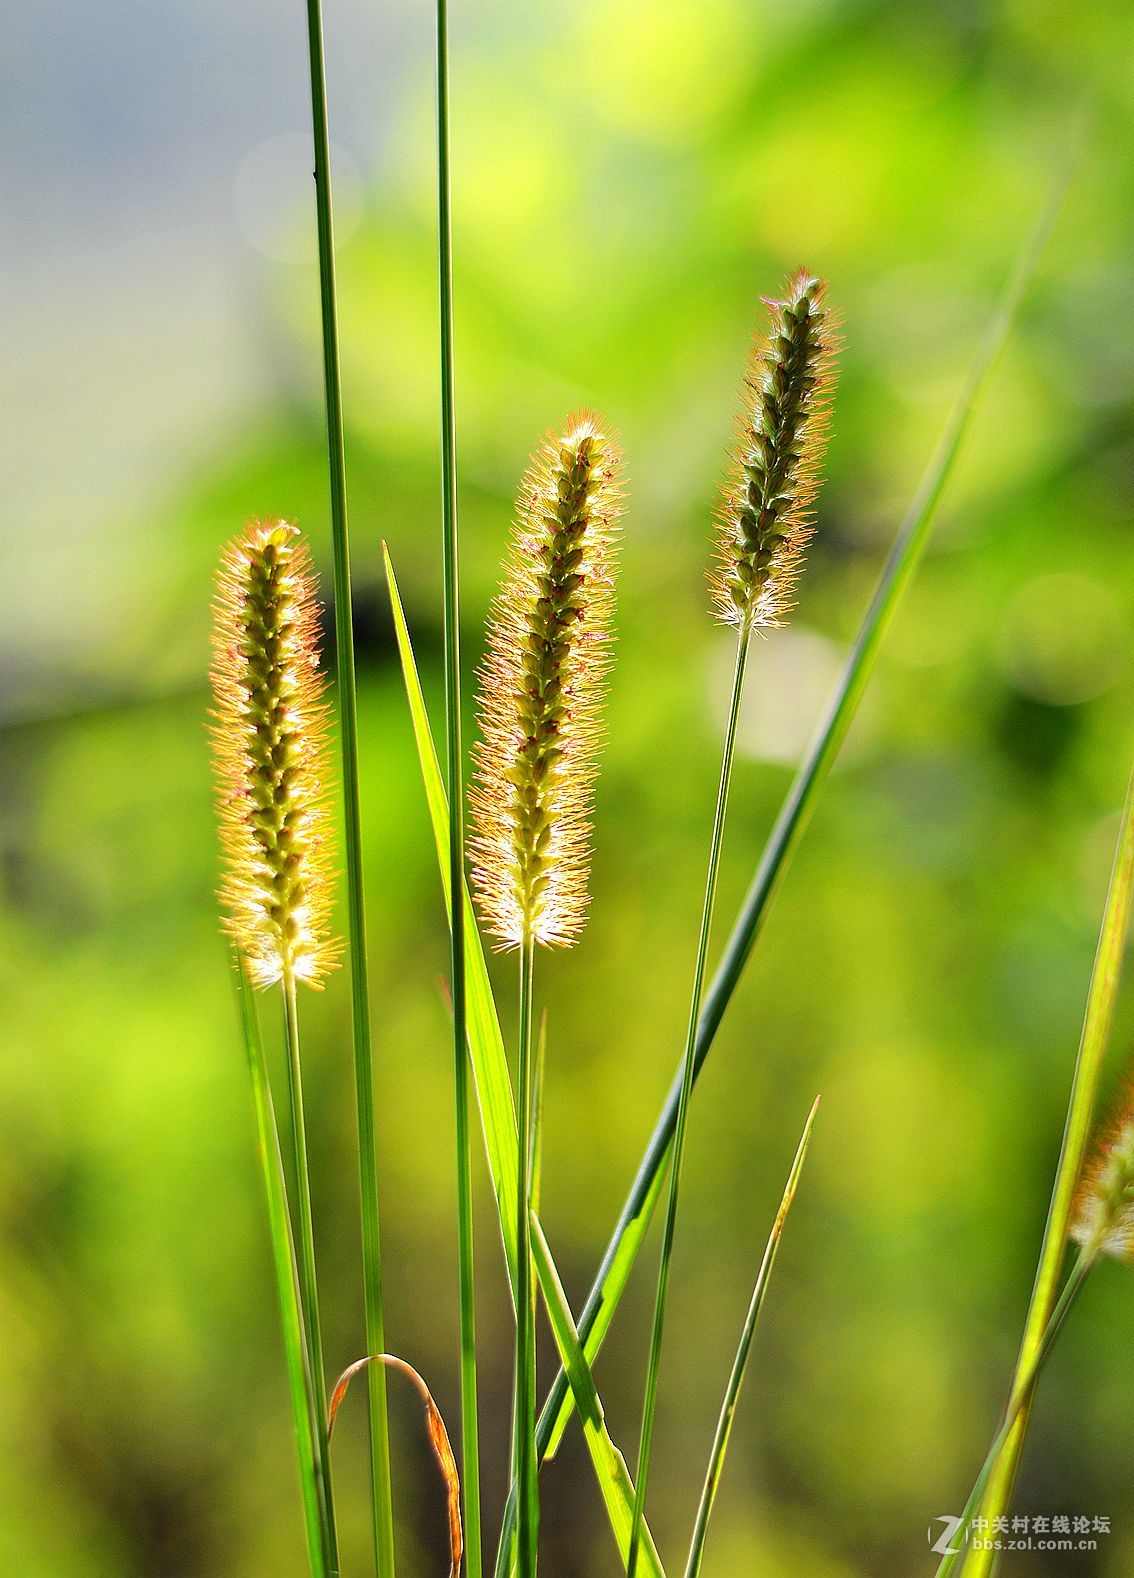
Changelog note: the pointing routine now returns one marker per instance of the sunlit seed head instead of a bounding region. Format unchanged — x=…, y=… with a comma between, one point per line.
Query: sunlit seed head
x=541, y=689
x=764, y=519
x=1103, y=1221
x=269, y=748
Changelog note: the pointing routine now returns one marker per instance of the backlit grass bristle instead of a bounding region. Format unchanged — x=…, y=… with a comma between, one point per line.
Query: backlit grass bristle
x=765, y=514
x=270, y=744
x=1103, y=1222
x=541, y=688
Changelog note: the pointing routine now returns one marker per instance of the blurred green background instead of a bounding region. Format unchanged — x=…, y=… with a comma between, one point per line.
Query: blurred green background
x=629, y=178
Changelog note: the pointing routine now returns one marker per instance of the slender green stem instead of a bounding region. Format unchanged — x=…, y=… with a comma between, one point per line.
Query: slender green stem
x=305, y=1237
x=303, y=1406
x=523, y=1422
x=348, y=734
x=901, y=563
x=1076, y=1135
x=1021, y=1394
x=650, y=1404
x=470, y=1432
x=736, y=1376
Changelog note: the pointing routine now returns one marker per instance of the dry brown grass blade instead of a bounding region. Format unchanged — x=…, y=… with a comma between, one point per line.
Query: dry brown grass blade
x=438, y=1439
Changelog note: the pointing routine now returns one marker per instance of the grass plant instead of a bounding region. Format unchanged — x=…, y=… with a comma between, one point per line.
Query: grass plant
x=540, y=728
x=765, y=521
x=531, y=803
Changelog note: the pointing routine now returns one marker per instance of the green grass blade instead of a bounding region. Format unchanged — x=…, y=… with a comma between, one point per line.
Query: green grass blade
x=303, y=1230
x=609, y=1464
x=740, y=1363
x=454, y=770
x=346, y=705
x=1080, y=1116
x=1022, y=1395
x=287, y=1289
x=901, y=562
x=486, y=1044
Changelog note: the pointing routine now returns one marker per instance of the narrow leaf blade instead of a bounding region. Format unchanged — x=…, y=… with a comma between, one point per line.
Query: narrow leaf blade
x=609, y=1465
x=486, y=1044
x=287, y=1288
x=1097, y=1022
x=740, y=1363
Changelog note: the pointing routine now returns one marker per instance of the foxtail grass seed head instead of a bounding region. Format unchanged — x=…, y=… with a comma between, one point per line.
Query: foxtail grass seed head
x=1103, y=1222
x=765, y=514
x=541, y=689
x=270, y=746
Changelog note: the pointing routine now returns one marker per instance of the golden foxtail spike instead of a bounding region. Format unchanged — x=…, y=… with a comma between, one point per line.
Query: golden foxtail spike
x=269, y=747
x=765, y=513
x=541, y=689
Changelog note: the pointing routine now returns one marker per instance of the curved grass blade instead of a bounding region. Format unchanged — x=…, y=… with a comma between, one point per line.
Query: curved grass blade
x=732, y=1391
x=287, y=1286
x=438, y=1440
x=486, y=1044
x=901, y=563
x=494, y=1090
x=1080, y=1115
x=610, y=1466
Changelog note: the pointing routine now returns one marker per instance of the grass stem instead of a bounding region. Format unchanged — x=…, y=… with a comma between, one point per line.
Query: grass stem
x=348, y=734
x=305, y=1415
x=470, y=1444
x=523, y=1425
x=304, y=1231
x=719, y=814
x=1021, y=1395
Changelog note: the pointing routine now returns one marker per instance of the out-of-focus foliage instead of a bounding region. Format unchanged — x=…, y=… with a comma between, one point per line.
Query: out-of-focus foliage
x=629, y=177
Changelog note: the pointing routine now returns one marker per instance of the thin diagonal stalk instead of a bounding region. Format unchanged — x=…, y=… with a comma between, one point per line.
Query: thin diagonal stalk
x=902, y=561
x=470, y=1445
x=1080, y=1113
x=614, y=1482
x=736, y=1377
x=303, y=1406
x=348, y=734
x=523, y=1420
x=308, y=1284
x=1021, y=1397
x=719, y=815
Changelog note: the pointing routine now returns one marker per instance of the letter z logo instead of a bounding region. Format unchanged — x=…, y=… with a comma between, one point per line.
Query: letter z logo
x=943, y=1545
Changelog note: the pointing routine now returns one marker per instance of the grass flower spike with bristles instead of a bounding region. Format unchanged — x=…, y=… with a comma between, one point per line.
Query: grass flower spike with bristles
x=764, y=519
x=1103, y=1223
x=270, y=748
x=541, y=689
x=764, y=523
